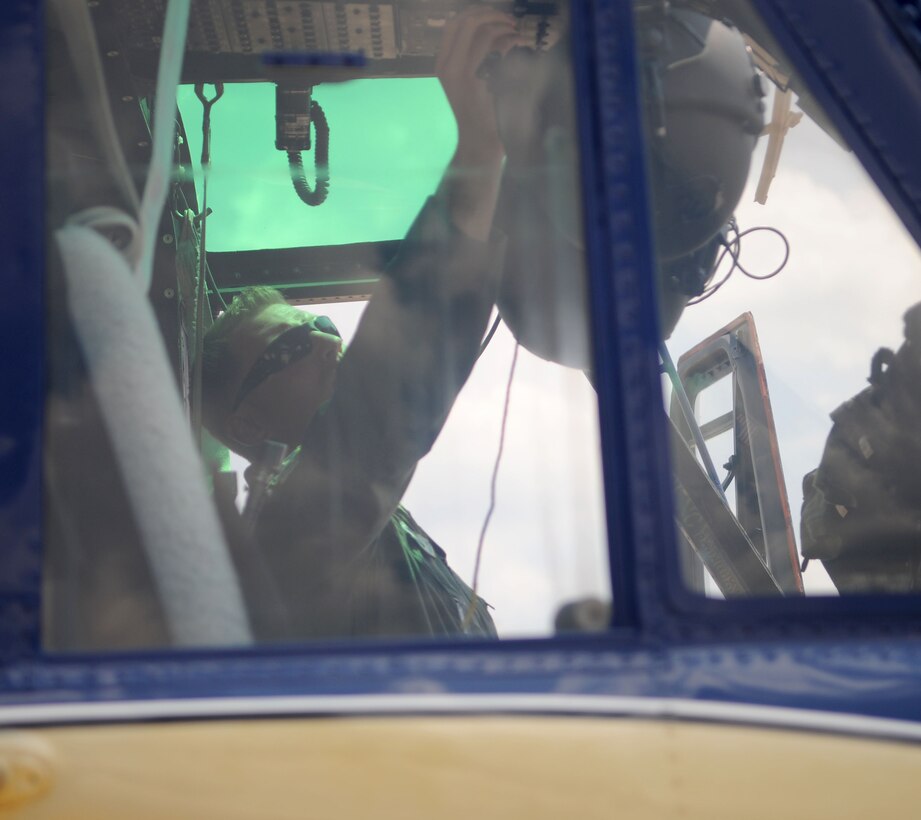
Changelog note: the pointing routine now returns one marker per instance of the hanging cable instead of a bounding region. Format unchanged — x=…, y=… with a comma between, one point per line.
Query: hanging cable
x=214, y=289
x=730, y=466
x=180, y=206
x=488, y=338
x=209, y=276
x=175, y=28
x=732, y=247
x=316, y=195
x=690, y=418
x=471, y=607
x=203, y=255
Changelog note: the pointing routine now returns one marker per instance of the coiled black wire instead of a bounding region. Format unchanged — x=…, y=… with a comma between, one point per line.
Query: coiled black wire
x=316, y=195
x=732, y=247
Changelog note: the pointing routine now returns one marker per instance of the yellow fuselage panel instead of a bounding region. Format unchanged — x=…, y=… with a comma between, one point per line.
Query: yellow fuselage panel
x=456, y=768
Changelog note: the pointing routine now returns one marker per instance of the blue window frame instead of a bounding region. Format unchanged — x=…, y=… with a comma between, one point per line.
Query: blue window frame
x=874, y=104
x=843, y=88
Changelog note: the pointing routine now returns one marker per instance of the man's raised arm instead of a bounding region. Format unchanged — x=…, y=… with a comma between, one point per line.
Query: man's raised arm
x=471, y=183
x=417, y=341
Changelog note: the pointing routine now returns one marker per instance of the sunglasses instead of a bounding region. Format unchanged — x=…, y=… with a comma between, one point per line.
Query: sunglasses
x=289, y=347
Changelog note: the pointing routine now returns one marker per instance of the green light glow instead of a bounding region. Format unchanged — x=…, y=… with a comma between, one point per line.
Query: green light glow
x=390, y=140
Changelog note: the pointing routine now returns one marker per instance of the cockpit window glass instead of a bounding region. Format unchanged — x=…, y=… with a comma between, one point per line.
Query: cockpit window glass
x=380, y=173
x=789, y=308
x=536, y=563
x=319, y=364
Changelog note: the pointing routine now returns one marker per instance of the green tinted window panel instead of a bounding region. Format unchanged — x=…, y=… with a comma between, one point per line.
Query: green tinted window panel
x=382, y=167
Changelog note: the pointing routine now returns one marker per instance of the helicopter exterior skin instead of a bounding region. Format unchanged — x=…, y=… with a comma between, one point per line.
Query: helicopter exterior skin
x=686, y=706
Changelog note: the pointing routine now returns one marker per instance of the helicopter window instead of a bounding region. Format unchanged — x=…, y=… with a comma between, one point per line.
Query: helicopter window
x=408, y=460
x=382, y=169
x=779, y=297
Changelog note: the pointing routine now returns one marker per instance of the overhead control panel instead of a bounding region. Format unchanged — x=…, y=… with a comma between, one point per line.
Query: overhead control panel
x=397, y=38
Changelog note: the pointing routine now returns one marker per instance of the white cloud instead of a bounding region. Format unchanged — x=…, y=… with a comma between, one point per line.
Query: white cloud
x=853, y=271
x=546, y=542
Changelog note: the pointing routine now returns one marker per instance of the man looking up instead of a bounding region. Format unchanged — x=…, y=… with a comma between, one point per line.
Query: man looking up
x=343, y=558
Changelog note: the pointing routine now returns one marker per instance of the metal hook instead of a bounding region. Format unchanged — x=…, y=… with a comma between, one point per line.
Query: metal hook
x=206, y=118
x=200, y=93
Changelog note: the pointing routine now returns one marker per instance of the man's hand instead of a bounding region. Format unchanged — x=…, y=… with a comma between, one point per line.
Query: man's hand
x=472, y=182
x=468, y=40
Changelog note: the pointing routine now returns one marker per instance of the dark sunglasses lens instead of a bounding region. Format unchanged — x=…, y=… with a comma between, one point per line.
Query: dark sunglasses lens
x=293, y=344
x=294, y=340
x=325, y=325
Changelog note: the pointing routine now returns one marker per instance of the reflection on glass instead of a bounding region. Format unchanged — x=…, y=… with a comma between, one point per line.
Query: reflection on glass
x=339, y=239
x=783, y=279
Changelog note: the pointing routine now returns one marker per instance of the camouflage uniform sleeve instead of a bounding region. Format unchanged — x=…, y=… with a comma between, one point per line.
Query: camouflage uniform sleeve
x=415, y=346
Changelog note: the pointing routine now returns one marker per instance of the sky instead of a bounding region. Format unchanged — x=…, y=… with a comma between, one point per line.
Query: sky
x=852, y=273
